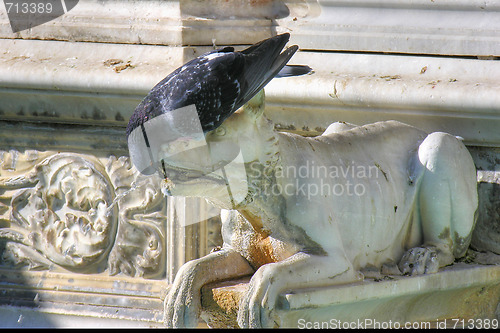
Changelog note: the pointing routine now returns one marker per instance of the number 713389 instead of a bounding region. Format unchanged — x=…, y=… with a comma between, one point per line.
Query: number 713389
x=29, y=7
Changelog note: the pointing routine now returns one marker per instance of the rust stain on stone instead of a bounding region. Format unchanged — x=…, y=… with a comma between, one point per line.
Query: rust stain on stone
x=258, y=249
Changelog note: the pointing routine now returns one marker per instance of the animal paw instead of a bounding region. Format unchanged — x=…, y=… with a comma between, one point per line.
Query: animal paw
x=256, y=308
x=183, y=302
x=419, y=260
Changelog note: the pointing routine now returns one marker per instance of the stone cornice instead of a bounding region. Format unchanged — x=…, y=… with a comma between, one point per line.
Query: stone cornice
x=89, y=83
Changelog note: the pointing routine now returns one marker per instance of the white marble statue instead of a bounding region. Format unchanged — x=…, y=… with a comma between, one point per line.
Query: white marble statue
x=317, y=211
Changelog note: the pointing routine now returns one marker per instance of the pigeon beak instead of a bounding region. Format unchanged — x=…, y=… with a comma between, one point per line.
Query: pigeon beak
x=168, y=184
x=164, y=170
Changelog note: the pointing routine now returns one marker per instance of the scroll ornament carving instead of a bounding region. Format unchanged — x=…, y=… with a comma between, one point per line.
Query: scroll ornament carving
x=79, y=213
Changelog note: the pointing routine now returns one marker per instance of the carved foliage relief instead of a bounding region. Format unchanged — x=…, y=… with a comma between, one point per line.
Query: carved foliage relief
x=68, y=211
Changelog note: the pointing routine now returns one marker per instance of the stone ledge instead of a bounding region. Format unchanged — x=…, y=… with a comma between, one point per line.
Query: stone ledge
x=453, y=95
x=460, y=27
x=92, y=83
x=51, y=299
x=464, y=291
x=155, y=22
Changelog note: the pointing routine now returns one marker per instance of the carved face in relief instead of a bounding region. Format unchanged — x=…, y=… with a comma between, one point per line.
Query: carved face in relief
x=66, y=212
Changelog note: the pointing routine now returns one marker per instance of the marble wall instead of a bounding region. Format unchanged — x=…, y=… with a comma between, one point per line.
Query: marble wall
x=83, y=235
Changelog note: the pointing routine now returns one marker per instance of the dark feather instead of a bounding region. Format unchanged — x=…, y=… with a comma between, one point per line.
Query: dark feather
x=294, y=70
x=217, y=82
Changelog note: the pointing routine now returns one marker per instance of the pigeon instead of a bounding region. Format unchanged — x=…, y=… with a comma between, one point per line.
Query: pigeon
x=218, y=82
x=197, y=97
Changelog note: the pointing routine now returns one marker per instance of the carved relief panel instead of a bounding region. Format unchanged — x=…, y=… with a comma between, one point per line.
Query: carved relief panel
x=76, y=212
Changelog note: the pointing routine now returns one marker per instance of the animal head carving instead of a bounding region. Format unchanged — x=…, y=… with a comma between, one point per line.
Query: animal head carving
x=221, y=170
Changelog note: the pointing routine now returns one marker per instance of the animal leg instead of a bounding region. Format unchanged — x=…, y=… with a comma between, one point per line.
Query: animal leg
x=447, y=203
x=298, y=271
x=183, y=302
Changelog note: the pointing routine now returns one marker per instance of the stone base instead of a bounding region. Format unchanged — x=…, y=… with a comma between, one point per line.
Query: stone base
x=456, y=296
x=58, y=300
